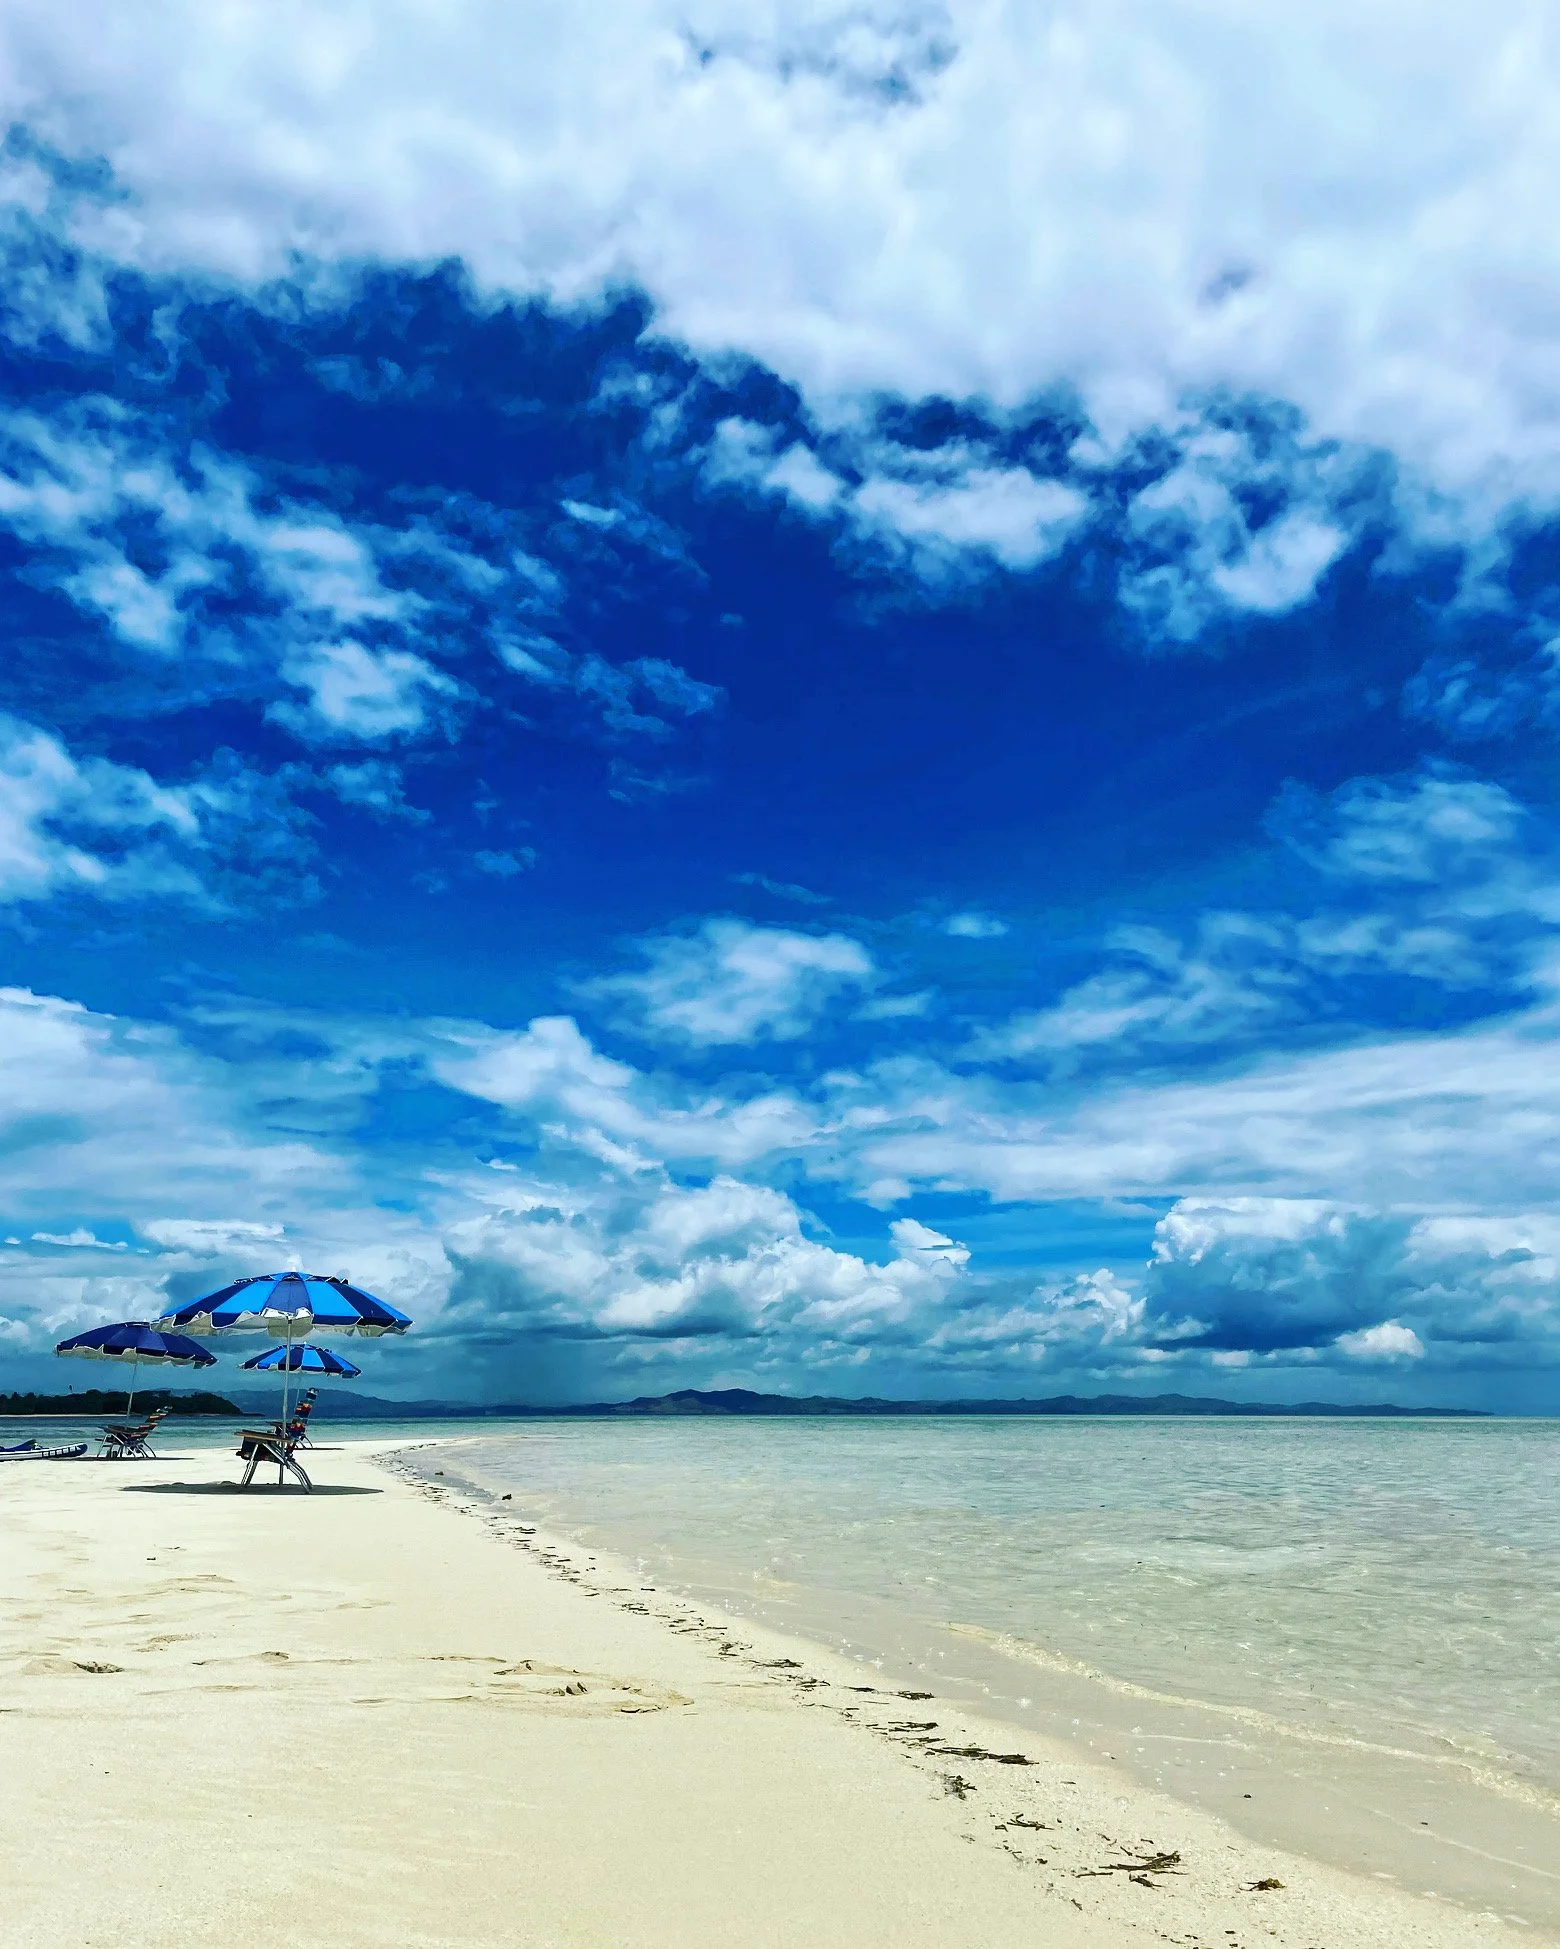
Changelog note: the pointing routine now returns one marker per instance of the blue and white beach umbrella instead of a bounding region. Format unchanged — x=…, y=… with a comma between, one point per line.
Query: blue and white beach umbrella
x=289, y=1305
x=136, y=1341
x=304, y=1360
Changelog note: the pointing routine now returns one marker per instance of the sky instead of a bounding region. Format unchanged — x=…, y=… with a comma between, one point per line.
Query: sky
x=854, y=699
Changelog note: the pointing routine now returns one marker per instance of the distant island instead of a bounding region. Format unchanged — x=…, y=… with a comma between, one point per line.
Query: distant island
x=740, y=1400
x=341, y=1402
x=93, y=1401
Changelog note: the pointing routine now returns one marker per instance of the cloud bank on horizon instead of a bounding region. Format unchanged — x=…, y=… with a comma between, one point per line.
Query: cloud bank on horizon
x=853, y=698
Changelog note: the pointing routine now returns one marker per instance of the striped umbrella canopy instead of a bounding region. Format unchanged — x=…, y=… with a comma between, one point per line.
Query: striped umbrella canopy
x=304, y=1360
x=136, y=1341
x=289, y=1304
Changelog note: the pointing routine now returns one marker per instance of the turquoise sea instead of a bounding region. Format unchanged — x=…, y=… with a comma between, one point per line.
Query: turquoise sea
x=1343, y=1634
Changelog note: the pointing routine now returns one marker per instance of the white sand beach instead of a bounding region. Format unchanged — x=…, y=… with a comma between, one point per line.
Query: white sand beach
x=386, y=1714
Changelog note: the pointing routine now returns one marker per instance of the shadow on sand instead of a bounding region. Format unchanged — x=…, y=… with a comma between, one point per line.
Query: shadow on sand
x=254, y=1489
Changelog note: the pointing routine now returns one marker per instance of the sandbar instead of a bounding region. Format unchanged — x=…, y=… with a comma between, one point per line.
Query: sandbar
x=393, y=1713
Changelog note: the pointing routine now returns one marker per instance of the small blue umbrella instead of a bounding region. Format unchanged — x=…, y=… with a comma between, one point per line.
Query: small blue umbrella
x=304, y=1360
x=136, y=1341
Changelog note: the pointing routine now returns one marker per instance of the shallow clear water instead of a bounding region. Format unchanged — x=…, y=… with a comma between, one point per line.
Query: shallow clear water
x=1380, y=1582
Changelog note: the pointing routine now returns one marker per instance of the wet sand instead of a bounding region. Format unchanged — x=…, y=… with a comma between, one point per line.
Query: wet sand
x=391, y=1713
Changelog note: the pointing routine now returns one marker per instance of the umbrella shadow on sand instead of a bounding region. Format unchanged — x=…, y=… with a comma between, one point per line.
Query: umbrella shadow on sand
x=238, y=1489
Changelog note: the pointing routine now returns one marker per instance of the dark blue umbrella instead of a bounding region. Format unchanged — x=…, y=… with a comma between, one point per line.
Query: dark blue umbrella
x=135, y=1341
x=304, y=1360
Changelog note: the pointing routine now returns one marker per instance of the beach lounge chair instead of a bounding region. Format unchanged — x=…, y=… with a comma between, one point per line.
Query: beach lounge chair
x=130, y=1440
x=257, y=1445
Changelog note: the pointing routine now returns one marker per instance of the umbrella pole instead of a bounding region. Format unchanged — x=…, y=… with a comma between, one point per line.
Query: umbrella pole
x=130, y=1397
x=286, y=1378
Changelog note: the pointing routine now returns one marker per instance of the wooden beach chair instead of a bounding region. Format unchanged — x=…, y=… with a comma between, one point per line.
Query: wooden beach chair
x=130, y=1440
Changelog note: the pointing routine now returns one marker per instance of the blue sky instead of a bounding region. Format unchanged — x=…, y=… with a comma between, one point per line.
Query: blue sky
x=843, y=699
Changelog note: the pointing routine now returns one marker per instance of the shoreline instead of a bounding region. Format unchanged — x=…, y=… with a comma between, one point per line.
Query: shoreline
x=1442, y=1823
x=395, y=1712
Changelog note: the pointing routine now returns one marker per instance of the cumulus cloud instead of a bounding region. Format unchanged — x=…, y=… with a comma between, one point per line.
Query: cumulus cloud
x=551, y=1075
x=111, y=1126
x=1245, y=522
x=655, y=1259
x=1093, y=1318
x=622, y=1207
x=732, y=982
x=972, y=200
x=1390, y=1340
x=1267, y=1274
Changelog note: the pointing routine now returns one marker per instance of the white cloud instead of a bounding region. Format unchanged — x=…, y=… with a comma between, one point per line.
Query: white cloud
x=74, y=486
x=936, y=508
x=87, y=825
x=974, y=927
x=550, y=1074
x=1434, y=830
x=895, y=1008
x=1390, y=1340
x=1439, y=876
x=1238, y=975
x=591, y=1235
x=1194, y=552
x=1345, y=208
x=653, y=1258
x=1092, y=1317
x=375, y=786
x=504, y=866
x=1281, y=565
x=109, y=1125
x=247, y=587
x=359, y=693
x=1463, y=1118
x=1271, y=1274
x=799, y=474
x=80, y=1240
x=1017, y=518
x=732, y=982
x=206, y=1237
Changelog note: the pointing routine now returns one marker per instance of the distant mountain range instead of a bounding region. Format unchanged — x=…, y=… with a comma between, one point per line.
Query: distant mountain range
x=340, y=1403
